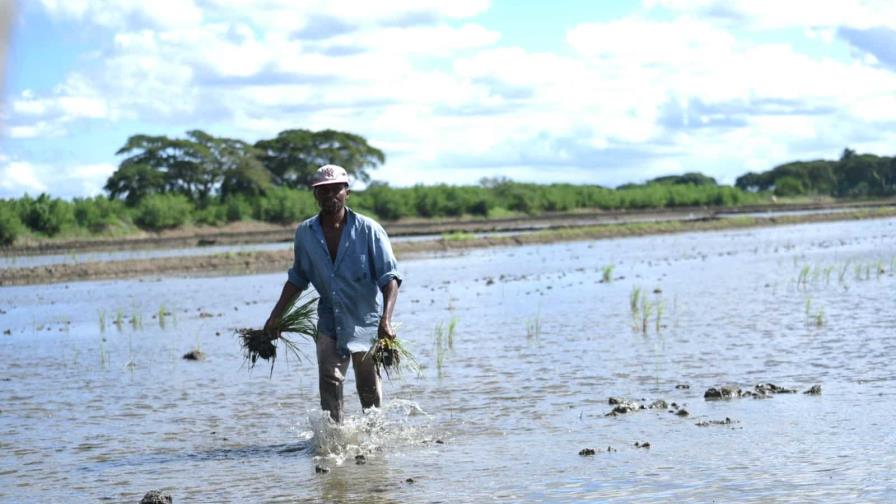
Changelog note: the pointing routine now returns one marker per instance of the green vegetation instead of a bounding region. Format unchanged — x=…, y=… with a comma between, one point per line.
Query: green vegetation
x=533, y=327
x=201, y=179
x=853, y=175
x=606, y=273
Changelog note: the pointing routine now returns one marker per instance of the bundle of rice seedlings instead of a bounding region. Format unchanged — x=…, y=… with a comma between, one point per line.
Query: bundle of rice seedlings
x=297, y=318
x=390, y=355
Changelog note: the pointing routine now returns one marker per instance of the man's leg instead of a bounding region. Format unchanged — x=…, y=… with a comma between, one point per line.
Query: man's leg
x=331, y=369
x=368, y=382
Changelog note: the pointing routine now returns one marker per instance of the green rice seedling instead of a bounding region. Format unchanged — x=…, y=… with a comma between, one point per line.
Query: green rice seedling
x=819, y=318
x=607, y=273
x=452, y=326
x=119, y=319
x=390, y=355
x=102, y=319
x=804, y=276
x=136, y=320
x=634, y=298
x=841, y=275
x=660, y=308
x=646, y=310
x=827, y=275
x=162, y=314
x=533, y=327
x=808, y=306
x=439, y=347
x=880, y=268
x=858, y=271
x=297, y=318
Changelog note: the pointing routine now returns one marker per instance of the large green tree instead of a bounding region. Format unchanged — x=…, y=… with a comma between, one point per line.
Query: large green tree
x=294, y=155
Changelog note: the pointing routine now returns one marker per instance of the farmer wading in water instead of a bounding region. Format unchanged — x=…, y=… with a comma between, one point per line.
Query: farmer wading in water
x=348, y=258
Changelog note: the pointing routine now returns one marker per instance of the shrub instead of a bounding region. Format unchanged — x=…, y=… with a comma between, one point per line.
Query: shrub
x=788, y=186
x=163, y=211
x=237, y=208
x=10, y=224
x=212, y=214
x=46, y=215
x=98, y=213
x=284, y=205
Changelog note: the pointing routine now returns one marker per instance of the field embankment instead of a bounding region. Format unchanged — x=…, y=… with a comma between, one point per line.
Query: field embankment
x=457, y=235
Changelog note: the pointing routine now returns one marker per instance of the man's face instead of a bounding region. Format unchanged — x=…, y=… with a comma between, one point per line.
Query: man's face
x=331, y=197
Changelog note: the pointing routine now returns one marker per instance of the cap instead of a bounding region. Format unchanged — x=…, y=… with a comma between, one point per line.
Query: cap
x=329, y=174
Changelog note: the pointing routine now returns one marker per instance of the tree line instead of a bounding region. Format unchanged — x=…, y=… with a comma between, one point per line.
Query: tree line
x=852, y=176
x=201, y=179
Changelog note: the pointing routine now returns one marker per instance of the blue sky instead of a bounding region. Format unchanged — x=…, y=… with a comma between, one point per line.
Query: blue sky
x=569, y=91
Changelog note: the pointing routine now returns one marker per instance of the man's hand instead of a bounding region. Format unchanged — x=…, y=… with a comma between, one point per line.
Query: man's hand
x=385, y=330
x=271, y=329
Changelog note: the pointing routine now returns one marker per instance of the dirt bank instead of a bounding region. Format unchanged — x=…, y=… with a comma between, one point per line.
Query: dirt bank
x=237, y=233
x=274, y=261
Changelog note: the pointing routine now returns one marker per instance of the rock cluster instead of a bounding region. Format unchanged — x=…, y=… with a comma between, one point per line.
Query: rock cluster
x=760, y=391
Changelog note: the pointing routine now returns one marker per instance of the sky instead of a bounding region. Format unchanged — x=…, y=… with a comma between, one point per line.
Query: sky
x=570, y=91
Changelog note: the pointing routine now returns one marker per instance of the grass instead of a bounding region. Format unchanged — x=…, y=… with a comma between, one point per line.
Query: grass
x=102, y=319
x=458, y=236
x=452, y=326
x=606, y=275
x=642, y=309
x=533, y=327
x=297, y=318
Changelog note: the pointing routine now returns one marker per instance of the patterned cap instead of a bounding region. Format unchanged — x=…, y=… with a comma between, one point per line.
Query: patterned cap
x=329, y=174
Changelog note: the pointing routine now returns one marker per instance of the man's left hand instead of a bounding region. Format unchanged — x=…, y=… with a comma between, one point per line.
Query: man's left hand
x=385, y=330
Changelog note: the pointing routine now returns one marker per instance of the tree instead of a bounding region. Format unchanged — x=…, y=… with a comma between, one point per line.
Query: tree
x=134, y=182
x=294, y=155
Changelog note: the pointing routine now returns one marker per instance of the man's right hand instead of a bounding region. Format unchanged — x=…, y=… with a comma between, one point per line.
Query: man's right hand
x=271, y=329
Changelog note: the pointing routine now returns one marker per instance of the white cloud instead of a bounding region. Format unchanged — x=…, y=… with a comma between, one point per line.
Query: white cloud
x=449, y=100
x=793, y=13
x=18, y=177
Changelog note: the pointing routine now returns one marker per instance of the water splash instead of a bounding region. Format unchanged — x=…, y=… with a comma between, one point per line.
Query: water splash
x=399, y=423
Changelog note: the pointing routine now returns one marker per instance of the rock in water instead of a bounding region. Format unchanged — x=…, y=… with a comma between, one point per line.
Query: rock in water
x=156, y=497
x=194, y=355
x=814, y=390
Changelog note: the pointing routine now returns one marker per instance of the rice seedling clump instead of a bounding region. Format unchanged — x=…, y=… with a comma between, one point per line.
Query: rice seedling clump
x=297, y=318
x=391, y=356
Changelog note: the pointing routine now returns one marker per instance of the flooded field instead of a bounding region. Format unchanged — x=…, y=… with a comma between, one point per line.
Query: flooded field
x=522, y=347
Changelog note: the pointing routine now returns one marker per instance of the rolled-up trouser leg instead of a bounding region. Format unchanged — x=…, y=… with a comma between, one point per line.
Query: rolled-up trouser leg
x=367, y=381
x=331, y=369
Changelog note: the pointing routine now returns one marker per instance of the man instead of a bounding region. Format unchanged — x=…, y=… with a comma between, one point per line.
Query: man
x=347, y=257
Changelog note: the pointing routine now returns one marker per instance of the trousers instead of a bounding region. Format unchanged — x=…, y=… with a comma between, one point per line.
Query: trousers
x=332, y=368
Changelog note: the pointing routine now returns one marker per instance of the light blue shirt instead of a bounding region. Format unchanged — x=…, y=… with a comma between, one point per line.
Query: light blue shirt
x=349, y=307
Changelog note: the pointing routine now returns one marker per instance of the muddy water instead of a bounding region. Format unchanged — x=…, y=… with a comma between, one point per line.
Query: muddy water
x=105, y=411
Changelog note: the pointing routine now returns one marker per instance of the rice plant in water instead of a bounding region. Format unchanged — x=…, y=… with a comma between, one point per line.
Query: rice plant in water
x=607, y=273
x=452, y=326
x=119, y=319
x=646, y=309
x=297, y=318
x=102, y=319
x=439, y=347
x=136, y=320
x=634, y=303
x=533, y=327
x=390, y=355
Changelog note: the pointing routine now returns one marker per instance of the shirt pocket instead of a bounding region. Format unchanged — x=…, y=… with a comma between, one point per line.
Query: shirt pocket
x=360, y=271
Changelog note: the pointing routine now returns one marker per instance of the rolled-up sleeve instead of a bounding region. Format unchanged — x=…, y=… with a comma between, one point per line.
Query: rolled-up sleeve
x=296, y=274
x=385, y=266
